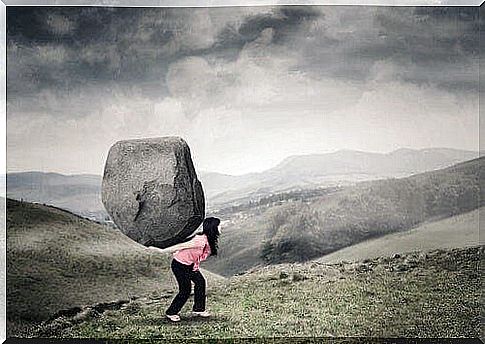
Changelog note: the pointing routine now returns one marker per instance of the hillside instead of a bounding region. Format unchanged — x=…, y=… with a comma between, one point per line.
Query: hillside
x=372, y=209
x=456, y=231
x=299, y=229
x=57, y=260
x=415, y=295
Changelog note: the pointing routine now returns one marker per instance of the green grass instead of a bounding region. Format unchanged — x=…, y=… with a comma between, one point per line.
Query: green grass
x=417, y=295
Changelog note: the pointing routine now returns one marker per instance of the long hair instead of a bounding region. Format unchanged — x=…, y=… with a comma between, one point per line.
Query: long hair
x=210, y=228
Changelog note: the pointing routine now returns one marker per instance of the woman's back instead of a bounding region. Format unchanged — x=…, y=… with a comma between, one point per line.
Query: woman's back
x=199, y=251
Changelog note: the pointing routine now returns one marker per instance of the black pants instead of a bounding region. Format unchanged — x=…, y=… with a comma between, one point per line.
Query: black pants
x=184, y=275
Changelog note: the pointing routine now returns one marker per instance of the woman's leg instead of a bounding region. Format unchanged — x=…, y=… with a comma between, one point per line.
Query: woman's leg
x=182, y=274
x=199, y=291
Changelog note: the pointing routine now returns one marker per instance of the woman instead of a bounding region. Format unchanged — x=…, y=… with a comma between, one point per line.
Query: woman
x=185, y=267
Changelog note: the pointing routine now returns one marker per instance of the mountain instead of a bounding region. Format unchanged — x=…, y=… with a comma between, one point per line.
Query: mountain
x=431, y=295
x=81, y=193
x=401, y=161
x=57, y=260
x=342, y=167
x=300, y=228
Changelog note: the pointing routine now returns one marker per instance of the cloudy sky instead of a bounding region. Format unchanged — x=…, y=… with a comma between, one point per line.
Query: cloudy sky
x=244, y=86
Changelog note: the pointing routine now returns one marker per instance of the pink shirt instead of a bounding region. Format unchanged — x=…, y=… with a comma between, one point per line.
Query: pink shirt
x=194, y=255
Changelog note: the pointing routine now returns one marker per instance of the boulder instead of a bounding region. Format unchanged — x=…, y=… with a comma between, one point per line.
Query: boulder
x=151, y=191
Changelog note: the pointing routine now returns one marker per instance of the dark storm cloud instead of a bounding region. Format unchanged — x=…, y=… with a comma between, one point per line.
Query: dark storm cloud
x=440, y=46
x=284, y=21
x=250, y=85
x=65, y=49
x=425, y=44
x=98, y=44
x=57, y=55
x=429, y=35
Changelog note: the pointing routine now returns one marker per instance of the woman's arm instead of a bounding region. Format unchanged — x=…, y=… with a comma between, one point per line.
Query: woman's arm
x=170, y=249
x=181, y=246
x=189, y=244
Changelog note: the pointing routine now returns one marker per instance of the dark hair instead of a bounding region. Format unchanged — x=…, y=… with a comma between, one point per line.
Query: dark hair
x=210, y=229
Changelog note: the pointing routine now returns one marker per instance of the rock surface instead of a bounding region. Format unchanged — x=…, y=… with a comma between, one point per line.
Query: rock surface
x=151, y=191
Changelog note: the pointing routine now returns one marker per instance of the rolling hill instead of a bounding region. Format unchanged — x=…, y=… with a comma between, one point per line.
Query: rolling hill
x=452, y=232
x=71, y=278
x=301, y=229
x=57, y=260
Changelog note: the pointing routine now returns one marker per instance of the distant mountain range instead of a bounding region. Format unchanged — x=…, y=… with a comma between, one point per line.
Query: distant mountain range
x=81, y=193
x=330, y=169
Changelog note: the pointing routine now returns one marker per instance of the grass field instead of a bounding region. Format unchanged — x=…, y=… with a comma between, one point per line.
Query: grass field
x=415, y=295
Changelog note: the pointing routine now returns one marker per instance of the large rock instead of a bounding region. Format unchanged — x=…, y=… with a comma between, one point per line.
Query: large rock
x=151, y=191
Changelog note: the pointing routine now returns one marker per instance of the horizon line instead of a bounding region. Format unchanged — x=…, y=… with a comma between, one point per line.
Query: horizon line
x=478, y=151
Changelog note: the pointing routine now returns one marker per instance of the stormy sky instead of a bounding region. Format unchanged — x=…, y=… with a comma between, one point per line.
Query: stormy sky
x=244, y=86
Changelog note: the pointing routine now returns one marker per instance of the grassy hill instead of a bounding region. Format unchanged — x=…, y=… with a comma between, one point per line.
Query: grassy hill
x=415, y=295
x=57, y=260
x=456, y=231
x=299, y=229
x=372, y=209
x=3, y=269
x=70, y=277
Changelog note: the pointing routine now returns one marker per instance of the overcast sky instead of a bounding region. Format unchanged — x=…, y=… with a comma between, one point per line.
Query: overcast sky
x=244, y=86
